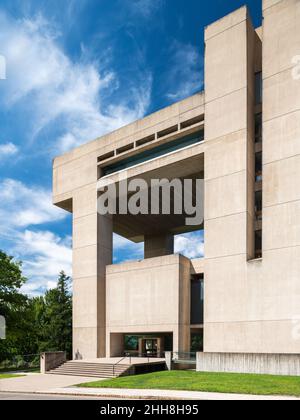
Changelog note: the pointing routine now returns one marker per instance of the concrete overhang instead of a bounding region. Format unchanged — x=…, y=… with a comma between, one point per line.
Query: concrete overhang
x=183, y=164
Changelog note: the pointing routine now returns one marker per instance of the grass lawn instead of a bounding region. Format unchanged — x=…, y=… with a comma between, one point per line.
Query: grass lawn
x=8, y=375
x=206, y=382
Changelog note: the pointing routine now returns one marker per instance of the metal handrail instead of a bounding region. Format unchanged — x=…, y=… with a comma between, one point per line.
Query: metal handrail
x=127, y=355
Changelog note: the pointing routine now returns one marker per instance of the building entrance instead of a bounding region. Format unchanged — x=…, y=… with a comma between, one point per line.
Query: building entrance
x=151, y=347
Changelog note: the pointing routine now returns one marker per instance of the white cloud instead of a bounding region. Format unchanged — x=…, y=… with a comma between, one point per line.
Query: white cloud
x=146, y=8
x=126, y=250
x=45, y=255
x=190, y=245
x=22, y=206
x=186, y=75
x=8, y=149
x=61, y=89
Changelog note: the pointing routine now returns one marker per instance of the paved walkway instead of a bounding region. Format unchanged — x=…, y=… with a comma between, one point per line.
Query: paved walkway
x=161, y=394
x=40, y=383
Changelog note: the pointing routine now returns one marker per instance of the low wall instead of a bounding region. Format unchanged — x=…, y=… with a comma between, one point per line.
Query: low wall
x=270, y=364
x=53, y=360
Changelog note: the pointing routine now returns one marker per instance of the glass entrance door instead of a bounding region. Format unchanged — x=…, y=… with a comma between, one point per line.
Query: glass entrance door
x=151, y=347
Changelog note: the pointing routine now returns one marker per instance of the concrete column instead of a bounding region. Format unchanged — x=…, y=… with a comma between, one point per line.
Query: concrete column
x=92, y=252
x=115, y=345
x=159, y=245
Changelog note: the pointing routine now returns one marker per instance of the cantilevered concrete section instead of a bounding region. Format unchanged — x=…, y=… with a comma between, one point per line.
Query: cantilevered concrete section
x=242, y=137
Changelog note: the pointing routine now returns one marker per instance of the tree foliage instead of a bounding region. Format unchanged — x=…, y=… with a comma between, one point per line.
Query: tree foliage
x=34, y=324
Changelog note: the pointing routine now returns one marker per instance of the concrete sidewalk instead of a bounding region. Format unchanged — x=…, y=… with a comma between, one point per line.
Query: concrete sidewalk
x=163, y=395
x=40, y=383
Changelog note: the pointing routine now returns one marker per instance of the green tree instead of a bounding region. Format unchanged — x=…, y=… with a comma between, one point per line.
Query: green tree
x=55, y=318
x=12, y=304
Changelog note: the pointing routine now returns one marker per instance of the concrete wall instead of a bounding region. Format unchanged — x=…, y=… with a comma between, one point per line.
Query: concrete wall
x=269, y=364
x=150, y=296
x=229, y=114
x=252, y=306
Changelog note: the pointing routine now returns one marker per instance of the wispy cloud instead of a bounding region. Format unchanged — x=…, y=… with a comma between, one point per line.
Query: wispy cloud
x=146, y=8
x=191, y=245
x=22, y=206
x=45, y=255
x=7, y=149
x=57, y=88
x=185, y=75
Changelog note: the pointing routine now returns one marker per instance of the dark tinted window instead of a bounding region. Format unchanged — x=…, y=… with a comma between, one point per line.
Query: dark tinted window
x=197, y=300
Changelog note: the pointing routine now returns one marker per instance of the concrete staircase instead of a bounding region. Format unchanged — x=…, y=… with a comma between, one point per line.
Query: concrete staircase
x=93, y=370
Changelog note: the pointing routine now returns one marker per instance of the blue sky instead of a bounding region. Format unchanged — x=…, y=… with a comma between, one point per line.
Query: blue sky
x=77, y=69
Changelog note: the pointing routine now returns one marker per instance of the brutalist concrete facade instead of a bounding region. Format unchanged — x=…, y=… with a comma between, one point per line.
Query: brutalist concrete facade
x=249, y=159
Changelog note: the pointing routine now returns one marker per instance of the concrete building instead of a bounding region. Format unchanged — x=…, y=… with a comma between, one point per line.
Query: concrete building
x=242, y=136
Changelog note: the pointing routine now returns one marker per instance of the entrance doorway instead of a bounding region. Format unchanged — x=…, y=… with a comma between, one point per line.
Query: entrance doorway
x=151, y=347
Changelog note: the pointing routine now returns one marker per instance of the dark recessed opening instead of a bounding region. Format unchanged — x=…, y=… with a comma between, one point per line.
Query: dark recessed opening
x=125, y=148
x=258, y=205
x=192, y=121
x=258, y=128
x=145, y=140
x=197, y=299
x=258, y=244
x=167, y=131
x=106, y=156
x=258, y=166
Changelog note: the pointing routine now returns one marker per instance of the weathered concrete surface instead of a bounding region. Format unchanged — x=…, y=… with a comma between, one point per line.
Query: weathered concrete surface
x=269, y=364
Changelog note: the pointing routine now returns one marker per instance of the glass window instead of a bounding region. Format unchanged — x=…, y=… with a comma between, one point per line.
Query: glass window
x=197, y=342
x=154, y=153
x=131, y=343
x=197, y=300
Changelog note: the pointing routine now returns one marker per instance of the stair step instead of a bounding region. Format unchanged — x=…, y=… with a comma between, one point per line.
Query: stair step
x=93, y=370
x=81, y=374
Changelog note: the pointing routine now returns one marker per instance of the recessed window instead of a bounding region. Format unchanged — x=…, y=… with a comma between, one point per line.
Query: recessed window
x=106, y=156
x=168, y=131
x=156, y=152
x=145, y=140
x=258, y=244
x=258, y=88
x=258, y=205
x=197, y=300
x=125, y=148
x=258, y=167
x=258, y=128
x=192, y=121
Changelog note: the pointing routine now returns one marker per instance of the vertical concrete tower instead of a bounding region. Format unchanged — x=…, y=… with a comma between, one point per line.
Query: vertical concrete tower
x=250, y=303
